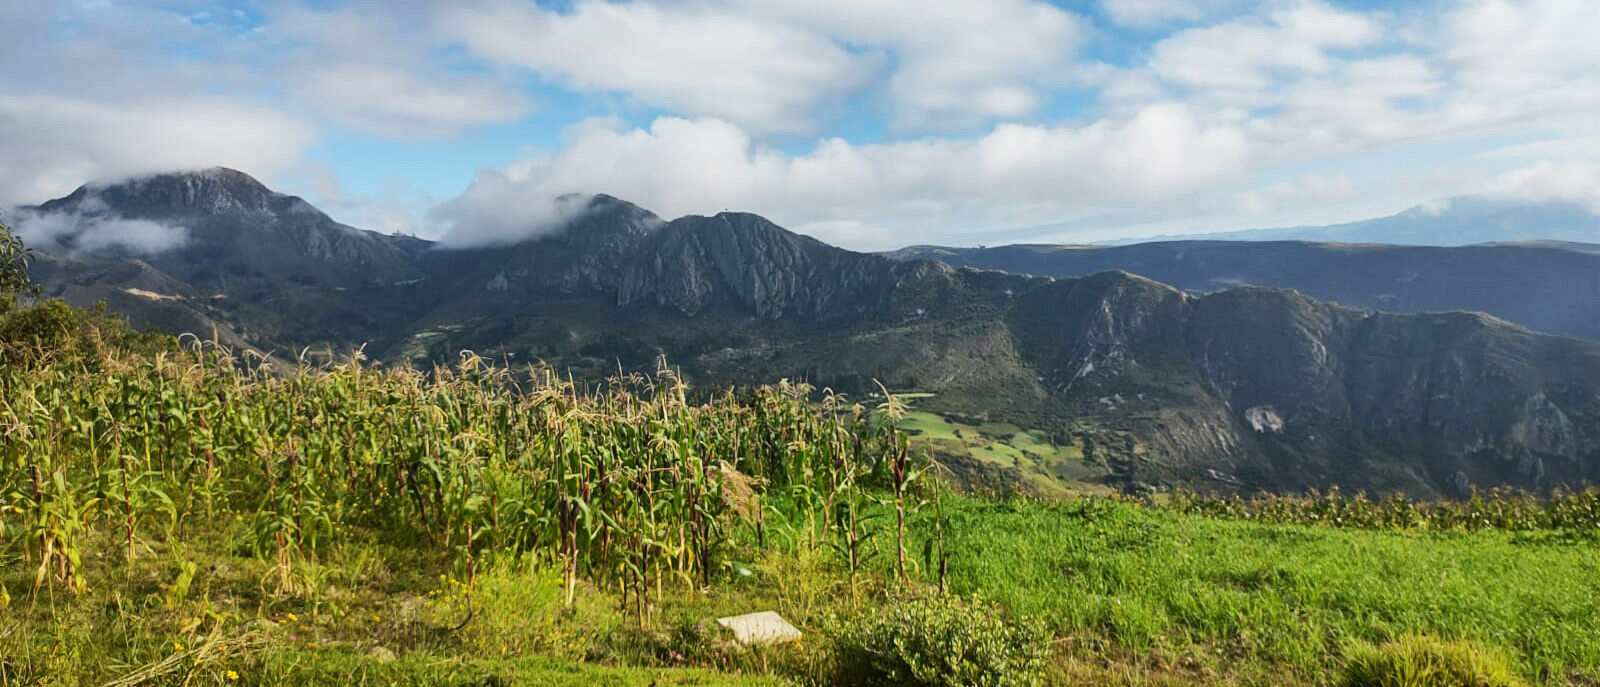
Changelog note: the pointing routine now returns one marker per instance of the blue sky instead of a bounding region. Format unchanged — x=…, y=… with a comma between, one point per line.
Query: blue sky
x=868, y=123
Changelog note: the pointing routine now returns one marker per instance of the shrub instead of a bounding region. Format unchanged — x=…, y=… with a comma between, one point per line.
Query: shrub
x=1418, y=661
x=48, y=324
x=14, y=260
x=945, y=642
x=53, y=331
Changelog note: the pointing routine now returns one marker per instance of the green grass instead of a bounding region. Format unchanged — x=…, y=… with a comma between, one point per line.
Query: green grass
x=275, y=535
x=1134, y=595
x=1000, y=454
x=1107, y=574
x=927, y=425
x=349, y=670
x=379, y=616
x=1420, y=661
x=1035, y=464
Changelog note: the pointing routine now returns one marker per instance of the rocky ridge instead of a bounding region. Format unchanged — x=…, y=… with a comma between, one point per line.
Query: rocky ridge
x=1550, y=287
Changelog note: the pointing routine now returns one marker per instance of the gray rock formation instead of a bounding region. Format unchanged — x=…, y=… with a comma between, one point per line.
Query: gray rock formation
x=1552, y=287
x=240, y=232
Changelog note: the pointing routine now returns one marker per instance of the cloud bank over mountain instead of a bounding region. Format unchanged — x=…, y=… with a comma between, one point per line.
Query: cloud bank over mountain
x=873, y=124
x=93, y=229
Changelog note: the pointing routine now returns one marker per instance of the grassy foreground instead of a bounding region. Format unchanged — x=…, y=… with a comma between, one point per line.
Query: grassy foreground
x=1133, y=595
x=195, y=521
x=1220, y=596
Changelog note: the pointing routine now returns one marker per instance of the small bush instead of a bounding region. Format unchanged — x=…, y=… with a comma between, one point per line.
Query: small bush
x=48, y=325
x=1417, y=661
x=699, y=642
x=944, y=642
x=52, y=331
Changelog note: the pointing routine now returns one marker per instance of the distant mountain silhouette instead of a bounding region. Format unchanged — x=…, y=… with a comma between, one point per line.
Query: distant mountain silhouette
x=1459, y=221
x=1548, y=286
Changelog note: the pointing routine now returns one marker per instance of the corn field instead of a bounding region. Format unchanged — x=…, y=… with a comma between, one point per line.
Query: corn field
x=1572, y=510
x=628, y=485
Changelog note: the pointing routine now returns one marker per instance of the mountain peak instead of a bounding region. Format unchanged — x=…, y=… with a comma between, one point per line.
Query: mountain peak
x=614, y=209
x=235, y=232
x=217, y=190
x=225, y=174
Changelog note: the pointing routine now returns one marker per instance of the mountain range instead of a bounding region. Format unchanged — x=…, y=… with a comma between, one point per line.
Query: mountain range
x=1129, y=381
x=1457, y=221
x=1547, y=286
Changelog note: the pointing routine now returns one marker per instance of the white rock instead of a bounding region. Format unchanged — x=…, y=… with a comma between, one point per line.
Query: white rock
x=765, y=627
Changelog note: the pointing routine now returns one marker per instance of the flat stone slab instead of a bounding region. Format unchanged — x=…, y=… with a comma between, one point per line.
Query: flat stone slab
x=766, y=627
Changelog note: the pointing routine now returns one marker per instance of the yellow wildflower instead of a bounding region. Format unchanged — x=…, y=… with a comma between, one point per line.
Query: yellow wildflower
x=233, y=676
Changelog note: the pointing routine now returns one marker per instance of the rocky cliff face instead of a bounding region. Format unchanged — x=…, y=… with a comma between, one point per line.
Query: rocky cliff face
x=1548, y=287
x=1267, y=386
x=694, y=263
x=582, y=257
x=237, y=232
x=691, y=265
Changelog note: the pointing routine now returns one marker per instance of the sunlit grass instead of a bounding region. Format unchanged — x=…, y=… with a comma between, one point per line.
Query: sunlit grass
x=1110, y=574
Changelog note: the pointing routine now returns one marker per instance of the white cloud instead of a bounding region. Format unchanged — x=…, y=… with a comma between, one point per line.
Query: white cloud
x=1521, y=65
x=1578, y=145
x=378, y=67
x=1313, y=189
x=1250, y=53
x=97, y=233
x=690, y=58
x=1359, y=104
x=53, y=143
x=1523, y=47
x=680, y=166
x=397, y=207
x=1199, y=126
x=1435, y=208
x=957, y=63
x=1573, y=182
x=770, y=65
x=112, y=51
x=397, y=103
x=94, y=91
x=1308, y=81
x=138, y=236
x=496, y=210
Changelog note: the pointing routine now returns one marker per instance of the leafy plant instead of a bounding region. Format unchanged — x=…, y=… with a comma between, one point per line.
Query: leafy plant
x=943, y=641
x=14, y=261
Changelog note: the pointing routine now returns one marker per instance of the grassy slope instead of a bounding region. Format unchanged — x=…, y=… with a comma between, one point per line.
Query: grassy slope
x=1142, y=580
x=364, y=614
x=311, y=668
x=1135, y=595
x=1002, y=457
